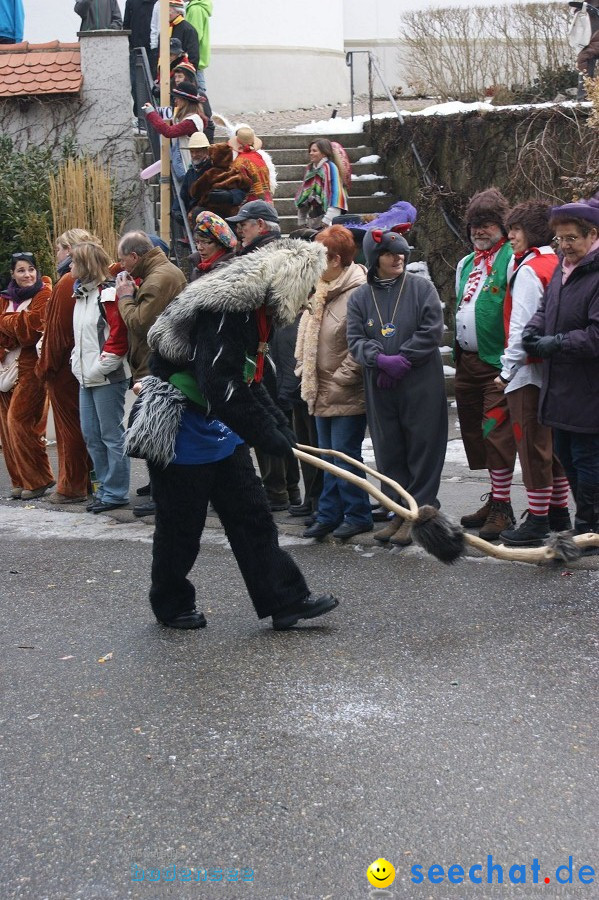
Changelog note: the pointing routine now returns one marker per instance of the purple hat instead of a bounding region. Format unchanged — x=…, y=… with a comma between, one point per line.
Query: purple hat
x=582, y=209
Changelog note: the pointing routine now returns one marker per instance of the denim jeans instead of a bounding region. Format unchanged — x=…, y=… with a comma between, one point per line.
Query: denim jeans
x=101, y=410
x=201, y=79
x=579, y=455
x=339, y=500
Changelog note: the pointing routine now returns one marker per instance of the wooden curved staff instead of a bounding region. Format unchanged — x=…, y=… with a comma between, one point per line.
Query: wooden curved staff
x=433, y=530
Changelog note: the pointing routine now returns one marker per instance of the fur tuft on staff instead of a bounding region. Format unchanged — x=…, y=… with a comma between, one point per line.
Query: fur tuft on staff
x=438, y=535
x=564, y=547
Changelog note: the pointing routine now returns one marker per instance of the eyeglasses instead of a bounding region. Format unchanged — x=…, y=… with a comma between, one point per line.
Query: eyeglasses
x=569, y=238
x=16, y=257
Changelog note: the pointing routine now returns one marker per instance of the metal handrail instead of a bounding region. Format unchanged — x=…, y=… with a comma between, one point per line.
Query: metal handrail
x=143, y=94
x=372, y=64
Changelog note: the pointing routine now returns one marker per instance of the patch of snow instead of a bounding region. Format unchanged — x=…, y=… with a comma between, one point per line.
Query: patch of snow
x=368, y=159
x=446, y=349
x=367, y=177
x=347, y=126
x=448, y=371
x=38, y=523
x=379, y=194
x=419, y=268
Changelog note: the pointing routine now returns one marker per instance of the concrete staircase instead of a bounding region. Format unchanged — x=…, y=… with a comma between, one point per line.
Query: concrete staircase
x=290, y=156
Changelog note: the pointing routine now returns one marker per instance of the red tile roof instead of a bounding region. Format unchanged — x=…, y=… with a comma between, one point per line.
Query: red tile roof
x=39, y=69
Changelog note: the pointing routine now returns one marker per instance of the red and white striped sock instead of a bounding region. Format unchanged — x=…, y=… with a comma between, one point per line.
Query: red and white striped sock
x=538, y=501
x=559, y=497
x=501, y=484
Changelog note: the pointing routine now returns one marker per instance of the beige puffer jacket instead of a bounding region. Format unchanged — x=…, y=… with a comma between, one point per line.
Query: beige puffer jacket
x=331, y=379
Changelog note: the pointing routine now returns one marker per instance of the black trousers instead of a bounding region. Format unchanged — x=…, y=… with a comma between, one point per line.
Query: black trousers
x=182, y=494
x=304, y=426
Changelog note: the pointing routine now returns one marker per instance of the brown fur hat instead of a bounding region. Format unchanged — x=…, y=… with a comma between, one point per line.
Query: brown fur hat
x=487, y=206
x=221, y=155
x=533, y=217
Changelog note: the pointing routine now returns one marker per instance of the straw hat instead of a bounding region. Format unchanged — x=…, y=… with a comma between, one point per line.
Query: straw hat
x=244, y=137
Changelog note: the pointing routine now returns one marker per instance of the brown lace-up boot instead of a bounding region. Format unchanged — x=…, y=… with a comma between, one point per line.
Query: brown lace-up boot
x=500, y=518
x=478, y=519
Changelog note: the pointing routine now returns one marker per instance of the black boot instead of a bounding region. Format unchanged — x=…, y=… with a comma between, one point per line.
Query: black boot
x=533, y=531
x=559, y=518
x=587, y=512
x=587, y=508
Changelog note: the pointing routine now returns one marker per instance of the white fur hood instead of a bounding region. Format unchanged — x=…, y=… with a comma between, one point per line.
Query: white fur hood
x=283, y=274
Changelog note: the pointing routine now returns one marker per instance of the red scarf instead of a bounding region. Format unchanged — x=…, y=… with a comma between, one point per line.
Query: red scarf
x=264, y=325
x=487, y=255
x=474, y=279
x=208, y=263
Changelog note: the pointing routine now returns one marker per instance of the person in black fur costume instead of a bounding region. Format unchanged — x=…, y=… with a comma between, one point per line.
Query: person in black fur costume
x=196, y=416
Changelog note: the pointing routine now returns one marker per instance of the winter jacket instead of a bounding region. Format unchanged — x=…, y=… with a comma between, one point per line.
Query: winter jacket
x=212, y=328
x=99, y=356
x=526, y=286
x=137, y=19
x=189, y=38
x=198, y=14
x=332, y=383
x=161, y=282
x=12, y=20
x=220, y=177
x=24, y=328
x=570, y=390
x=99, y=15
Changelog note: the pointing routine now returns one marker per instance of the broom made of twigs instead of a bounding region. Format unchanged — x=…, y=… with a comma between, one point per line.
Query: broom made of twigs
x=82, y=196
x=437, y=534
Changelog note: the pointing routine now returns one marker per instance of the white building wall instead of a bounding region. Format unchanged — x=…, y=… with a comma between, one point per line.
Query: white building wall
x=276, y=54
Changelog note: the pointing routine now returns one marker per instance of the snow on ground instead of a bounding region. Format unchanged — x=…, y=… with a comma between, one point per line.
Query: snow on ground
x=37, y=523
x=367, y=177
x=448, y=371
x=348, y=126
x=368, y=159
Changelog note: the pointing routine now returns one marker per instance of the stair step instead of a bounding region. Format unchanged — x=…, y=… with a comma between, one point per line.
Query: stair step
x=361, y=188
x=297, y=139
x=358, y=205
x=300, y=154
x=296, y=172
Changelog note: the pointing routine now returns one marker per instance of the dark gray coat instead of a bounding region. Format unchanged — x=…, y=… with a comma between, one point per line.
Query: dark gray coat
x=570, y=390
x=99, y=15
x=407, y=424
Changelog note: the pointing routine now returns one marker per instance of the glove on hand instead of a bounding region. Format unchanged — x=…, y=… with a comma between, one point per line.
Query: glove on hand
x=385, y=382
x=529, y=339
x=276, y=443
x=548, y=345
x=289, y=434
x=396, y=367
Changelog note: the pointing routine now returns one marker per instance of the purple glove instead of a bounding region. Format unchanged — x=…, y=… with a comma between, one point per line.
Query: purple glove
x=385, y=382
x=396, y=367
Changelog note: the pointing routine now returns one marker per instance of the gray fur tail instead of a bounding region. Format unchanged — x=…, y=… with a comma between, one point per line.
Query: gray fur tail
x=155, y=422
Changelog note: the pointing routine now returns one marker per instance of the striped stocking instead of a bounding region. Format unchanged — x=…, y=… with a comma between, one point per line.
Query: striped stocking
x=559, y=496
x=538, y=501
x=501, y=484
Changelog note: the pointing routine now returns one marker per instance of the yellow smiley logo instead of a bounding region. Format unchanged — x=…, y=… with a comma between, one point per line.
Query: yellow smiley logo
x=380, y=873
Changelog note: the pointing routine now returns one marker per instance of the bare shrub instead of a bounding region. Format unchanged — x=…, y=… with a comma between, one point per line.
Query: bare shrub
x=459, y=52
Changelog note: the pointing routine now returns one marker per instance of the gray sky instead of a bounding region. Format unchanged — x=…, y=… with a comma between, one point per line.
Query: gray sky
x=46, y=20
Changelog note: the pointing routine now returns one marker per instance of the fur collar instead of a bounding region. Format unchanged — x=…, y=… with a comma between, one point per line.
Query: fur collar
x=282, y=274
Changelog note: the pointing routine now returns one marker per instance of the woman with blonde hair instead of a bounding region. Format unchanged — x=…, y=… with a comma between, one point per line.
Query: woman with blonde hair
x=54, y=368
x=99, y=363
x=322, y=194
x=23, y=401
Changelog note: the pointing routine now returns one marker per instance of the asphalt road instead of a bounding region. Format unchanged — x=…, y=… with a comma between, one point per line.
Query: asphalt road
x=438, y=716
